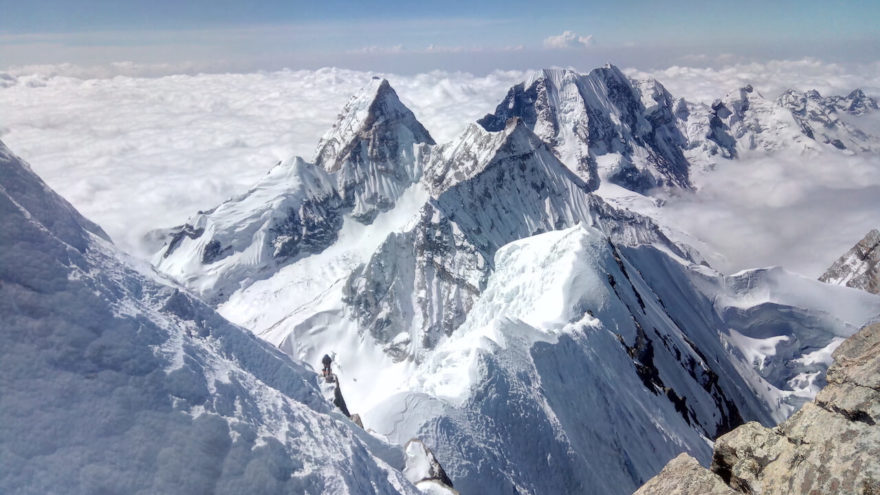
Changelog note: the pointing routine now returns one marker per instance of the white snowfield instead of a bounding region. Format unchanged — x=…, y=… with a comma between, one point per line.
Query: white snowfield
x=535, y=337
x=113, y=381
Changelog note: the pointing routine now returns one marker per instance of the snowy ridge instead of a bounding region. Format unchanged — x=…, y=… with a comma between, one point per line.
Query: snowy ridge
x=115, y=381
x=596, y=361
x=421, y=283
x=293, y=211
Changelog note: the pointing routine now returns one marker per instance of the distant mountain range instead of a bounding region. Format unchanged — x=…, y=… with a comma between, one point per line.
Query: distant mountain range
x=477, y=294
x=481, y=296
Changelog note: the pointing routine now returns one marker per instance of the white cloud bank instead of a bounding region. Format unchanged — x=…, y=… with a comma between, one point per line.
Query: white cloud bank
x=567, y=40
x=797, y=212
x=136, y=154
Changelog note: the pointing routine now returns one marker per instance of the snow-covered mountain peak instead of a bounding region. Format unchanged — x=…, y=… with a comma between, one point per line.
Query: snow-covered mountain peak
x=832, y=120
x=858, y=103
x=805, y=121
x=365, y=164
x=599, y=126
x=376, y=104
x=733, y=107
x=371, y=150
x=350, y=122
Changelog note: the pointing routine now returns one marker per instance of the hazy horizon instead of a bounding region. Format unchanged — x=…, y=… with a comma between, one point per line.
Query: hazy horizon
x=200, y=36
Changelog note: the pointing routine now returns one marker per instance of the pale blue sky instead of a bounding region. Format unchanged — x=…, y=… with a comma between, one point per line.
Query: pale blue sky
x=404, y=36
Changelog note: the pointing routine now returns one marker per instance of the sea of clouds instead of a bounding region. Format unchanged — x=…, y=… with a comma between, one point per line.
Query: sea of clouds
x=138, y=153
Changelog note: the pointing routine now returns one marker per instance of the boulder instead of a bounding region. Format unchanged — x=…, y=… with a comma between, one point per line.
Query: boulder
x=832, y=445
x=684, y=475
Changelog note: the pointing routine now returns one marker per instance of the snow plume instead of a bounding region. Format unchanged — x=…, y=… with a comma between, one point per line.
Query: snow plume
x=568, y=39
x=794, y=211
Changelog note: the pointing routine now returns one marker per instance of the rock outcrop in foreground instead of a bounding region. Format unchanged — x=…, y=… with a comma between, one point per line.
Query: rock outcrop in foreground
x=859, y=267
x=832, y=445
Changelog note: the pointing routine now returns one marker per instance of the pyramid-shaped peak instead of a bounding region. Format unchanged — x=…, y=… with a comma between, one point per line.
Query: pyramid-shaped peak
x=858, y=102
x=376, y=106
x=856, y=93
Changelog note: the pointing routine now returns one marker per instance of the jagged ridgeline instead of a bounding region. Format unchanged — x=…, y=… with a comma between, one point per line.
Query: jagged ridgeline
x=479, y=294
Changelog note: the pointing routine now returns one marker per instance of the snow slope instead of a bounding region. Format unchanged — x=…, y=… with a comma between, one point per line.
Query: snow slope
x=115, y=382
x=594, y=362
x=536, y=337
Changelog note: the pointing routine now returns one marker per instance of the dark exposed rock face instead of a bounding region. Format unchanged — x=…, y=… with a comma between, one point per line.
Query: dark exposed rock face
x=308, y=228
x=859, y=267
x=684, y=476
x=177, y=237
x=832, y=445
x=333, y=393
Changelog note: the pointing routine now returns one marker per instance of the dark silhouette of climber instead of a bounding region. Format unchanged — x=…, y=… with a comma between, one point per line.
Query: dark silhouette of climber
x=327, y=372
x=329, y=377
